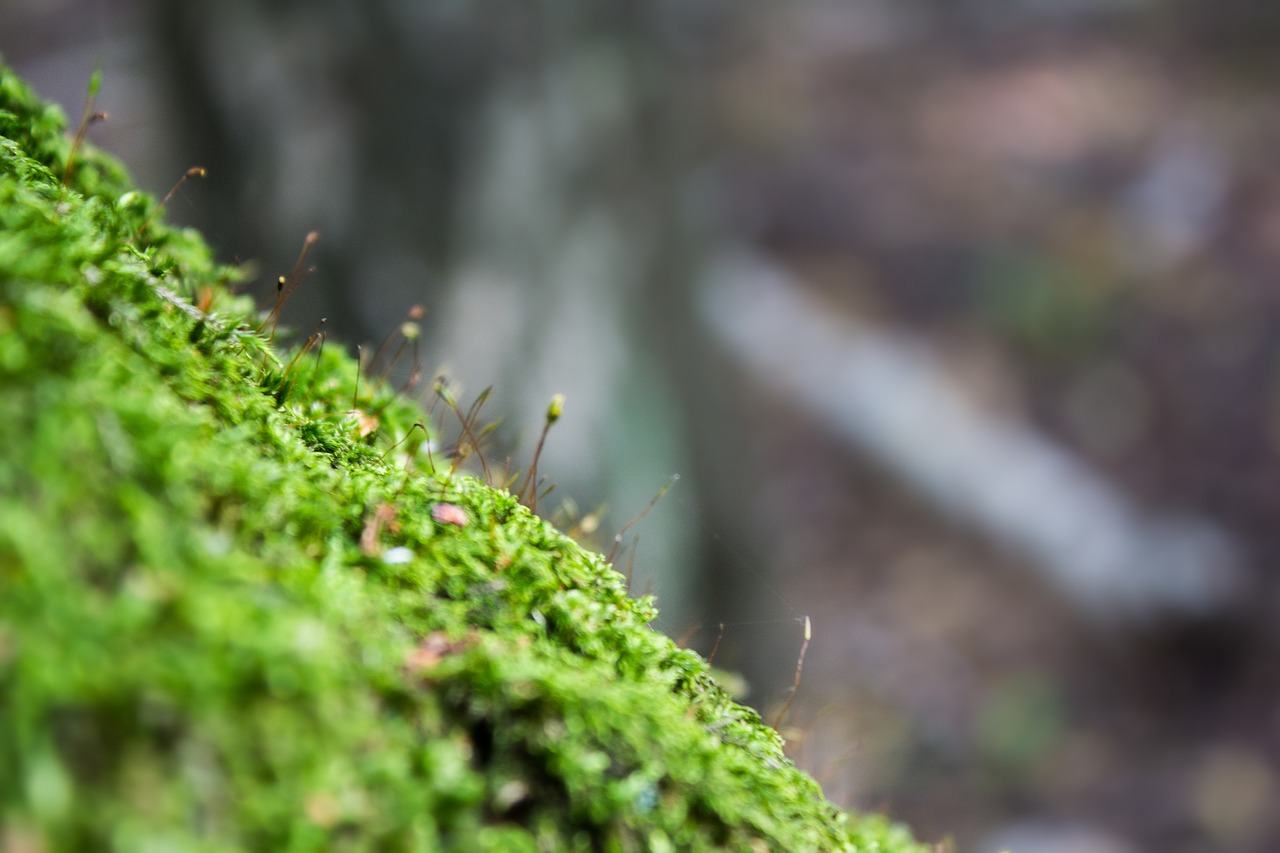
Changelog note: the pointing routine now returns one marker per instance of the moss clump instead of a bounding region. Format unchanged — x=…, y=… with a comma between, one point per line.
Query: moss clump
x=229, y=618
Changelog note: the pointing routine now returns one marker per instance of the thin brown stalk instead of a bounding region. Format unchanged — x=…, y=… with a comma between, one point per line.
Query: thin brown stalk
x=287, y=284
x=795, y=684
x=715, y=647
x=418, y=425
x=88, y=117
x=193, y=172
x=554, y=410
x=618, y=537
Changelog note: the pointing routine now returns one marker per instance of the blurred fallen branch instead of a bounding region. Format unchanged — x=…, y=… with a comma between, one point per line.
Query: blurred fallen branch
x=893, y=399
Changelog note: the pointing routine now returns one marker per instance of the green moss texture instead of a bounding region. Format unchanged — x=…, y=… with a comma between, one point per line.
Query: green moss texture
x=235, y=615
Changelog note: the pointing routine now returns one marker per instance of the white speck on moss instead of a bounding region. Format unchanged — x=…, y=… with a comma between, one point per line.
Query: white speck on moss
x=397, y=556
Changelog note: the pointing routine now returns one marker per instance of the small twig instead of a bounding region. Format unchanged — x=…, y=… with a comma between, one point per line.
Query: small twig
x=715, y=647
x=88, y=117
x=193, y=172
x=286, y=285
x=467, y=439
x=431, y=459
x=554, y=410
x=315, y=336
x=795, y=684
x=409, y=331
x=412, y=381
x=315, y=371
x=355, y=394
x=436, y=387
x=509, y=476
x=477, y=439
x=631, y=560
x=417, y=425
x=617, y=539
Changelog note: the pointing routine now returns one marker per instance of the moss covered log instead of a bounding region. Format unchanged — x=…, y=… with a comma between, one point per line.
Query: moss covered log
x=233, y=617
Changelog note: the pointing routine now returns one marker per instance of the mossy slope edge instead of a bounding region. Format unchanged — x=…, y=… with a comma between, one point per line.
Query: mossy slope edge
x=229, y=619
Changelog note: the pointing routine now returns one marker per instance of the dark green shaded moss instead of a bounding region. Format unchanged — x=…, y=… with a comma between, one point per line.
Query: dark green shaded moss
x=229, y=620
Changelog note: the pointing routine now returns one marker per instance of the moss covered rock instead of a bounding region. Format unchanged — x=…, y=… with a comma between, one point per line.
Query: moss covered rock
x=234, y=614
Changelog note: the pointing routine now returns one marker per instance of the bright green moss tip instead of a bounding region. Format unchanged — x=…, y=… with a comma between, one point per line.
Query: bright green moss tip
x=231, y=619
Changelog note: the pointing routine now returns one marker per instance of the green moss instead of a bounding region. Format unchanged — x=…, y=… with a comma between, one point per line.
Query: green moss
x=229, y=620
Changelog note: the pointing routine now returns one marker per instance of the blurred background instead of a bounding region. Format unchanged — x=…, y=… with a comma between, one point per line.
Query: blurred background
x=958, y=319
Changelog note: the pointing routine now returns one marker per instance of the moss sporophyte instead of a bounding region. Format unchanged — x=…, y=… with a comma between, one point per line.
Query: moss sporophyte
x=231, y=617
